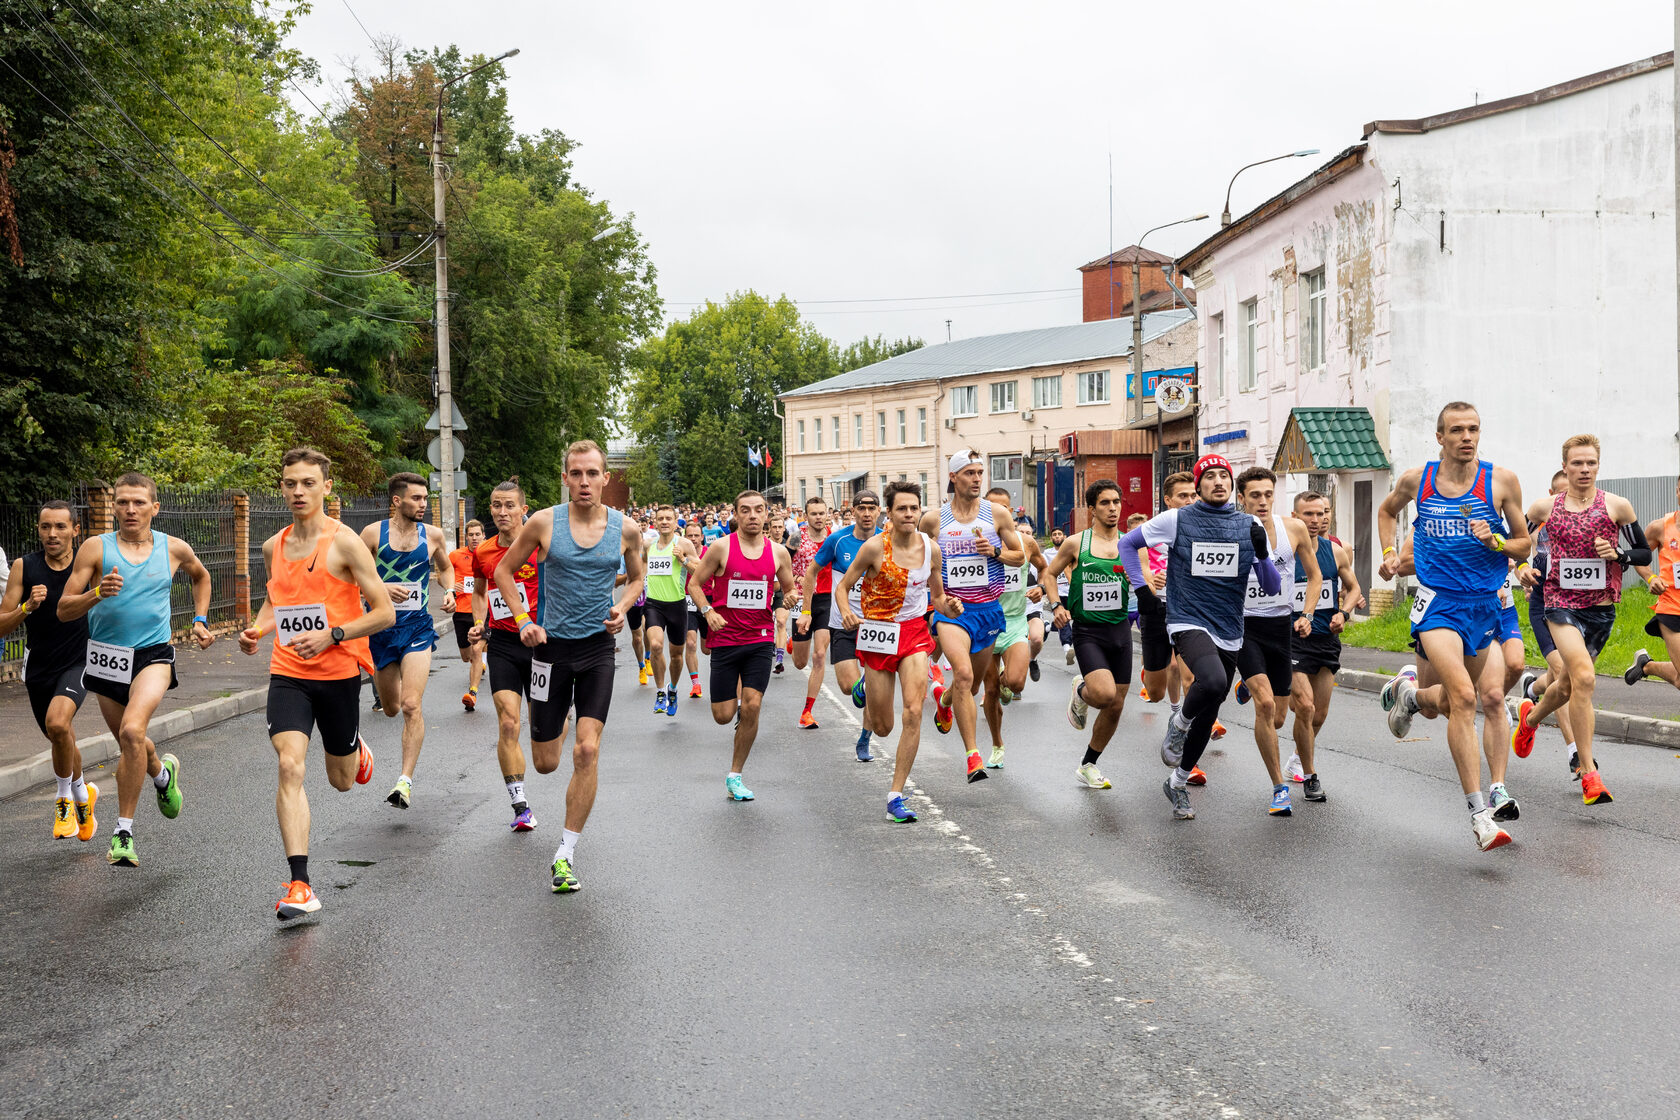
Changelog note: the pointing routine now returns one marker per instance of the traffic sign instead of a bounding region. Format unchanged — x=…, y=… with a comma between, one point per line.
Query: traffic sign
x=436, y=483
x=434, y=451
x=460, y=423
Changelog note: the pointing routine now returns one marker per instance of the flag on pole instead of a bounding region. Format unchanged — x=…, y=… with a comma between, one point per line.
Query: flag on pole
x=753, y=459
x=767, y=462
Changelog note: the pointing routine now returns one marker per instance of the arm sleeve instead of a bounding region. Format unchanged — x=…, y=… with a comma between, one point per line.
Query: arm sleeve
x=1264, y=570
x=1129, y=545
x=1636, y=550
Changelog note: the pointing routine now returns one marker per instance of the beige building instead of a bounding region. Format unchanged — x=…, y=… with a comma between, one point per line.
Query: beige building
x=1011, y=397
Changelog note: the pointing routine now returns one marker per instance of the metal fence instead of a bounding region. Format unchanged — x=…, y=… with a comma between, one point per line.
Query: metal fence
x=206, y=520
x=1652, y=497
x=18, y=536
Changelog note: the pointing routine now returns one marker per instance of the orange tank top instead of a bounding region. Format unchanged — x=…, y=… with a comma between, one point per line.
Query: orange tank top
x=1668, y=566
x=305, y=598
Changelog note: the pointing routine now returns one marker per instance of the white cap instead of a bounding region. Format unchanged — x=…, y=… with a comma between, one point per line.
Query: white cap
x=961, y=461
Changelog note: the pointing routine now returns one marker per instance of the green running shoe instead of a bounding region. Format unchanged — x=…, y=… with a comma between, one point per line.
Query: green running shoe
x=122, y=851
x=564, y=880
x=737, y=789
x=169, y=797
x=401, y=792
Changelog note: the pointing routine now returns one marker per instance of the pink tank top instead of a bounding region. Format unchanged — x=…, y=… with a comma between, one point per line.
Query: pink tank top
x=1576, y=577
x=745, y=594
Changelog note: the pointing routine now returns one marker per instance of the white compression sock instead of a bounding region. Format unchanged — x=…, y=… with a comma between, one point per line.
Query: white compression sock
x=78, y=788
x=516, y=791
x=63, y=788
x=568, y=845
x=161, y=778
x=125, y=824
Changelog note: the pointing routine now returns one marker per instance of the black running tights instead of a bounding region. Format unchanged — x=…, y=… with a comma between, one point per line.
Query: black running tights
x=1214, y=669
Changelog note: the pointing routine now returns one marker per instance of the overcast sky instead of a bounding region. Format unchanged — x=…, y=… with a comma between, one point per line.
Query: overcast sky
x=877, y=151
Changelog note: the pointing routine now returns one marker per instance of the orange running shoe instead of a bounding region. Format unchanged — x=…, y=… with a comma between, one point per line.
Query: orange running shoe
x=296, y=902
x=976, y=767
x=64, y=826
x=1197, y=777
x=694, y=692
x=86, y=823
x=469, y=699
x=1218, y=730
x=1522, y=735
x=364, y=766
x=936, y=675
x=808, y=720
x=1593, y=791
x=1143, y=693
x=942, y=716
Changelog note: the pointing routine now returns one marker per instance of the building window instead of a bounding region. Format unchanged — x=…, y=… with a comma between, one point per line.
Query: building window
x=802, y=493
x=902, y=440
x=817, y=424
x=1314, y=324
x=883, y=484
x=1093, y=386
x=921, y=477
x=921, y=425
x=819, y=490
x=834, y=426
x=857, y=429
x=1247, y=356
x=1003, y=396
x=802, y=435
x=1006, y=468
x=880, y=429
x=1047, y=392
x=1217, y=358
x=965, y=400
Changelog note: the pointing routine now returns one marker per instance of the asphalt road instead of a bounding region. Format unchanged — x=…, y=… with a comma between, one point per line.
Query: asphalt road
x=1028, y=947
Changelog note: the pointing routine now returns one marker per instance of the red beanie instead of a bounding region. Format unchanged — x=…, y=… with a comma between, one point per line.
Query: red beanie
x=1207, y=461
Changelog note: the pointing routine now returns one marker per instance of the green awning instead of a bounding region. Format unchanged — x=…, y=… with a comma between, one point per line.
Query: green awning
x=1329, y=439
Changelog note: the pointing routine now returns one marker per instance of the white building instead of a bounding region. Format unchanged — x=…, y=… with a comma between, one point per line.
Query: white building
x=1518, y=254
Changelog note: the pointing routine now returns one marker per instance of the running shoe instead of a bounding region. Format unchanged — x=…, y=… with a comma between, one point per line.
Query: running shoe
x=778, y=669
x=1032, y=670
x=694, y=691
x=87, y=823
x=122, y=851
x=1180, y=799
x=376, y=706
x=64, y=826
x=364, y=761
x=1593, y=791
x=644, y=673
x=1067, y=655
x=1143, y=694
x=1242, y=692
x=1280, y=806
x=736, y=789
x=976, y=767
x=1390, y=693
x=1293, y=770
x=1574, y=764
x=1636, y=672
x=1006, y=694
x=1198, y=777
x=1172, y=745
x=1404, y=706
x=996, y=761
x=1313, y=790
x=1522, y=735
x=402, y=792
x=469, y=699
x=1503, y=805
x=1525, y=683
x=863, y=754
x=942, y=716
x=169, y=797
x=1077, y=709
x=659, y=702
x=1218, y=730
x=523, y=819
x=808, y=720
x=1091, y=778
x=1488, y=835
x=671, y=702
x=859, y=699
x=898, y=811
x=565, y=879
x=296, y=902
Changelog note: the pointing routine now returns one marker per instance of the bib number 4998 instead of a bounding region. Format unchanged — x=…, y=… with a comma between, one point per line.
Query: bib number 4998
x=967, y=572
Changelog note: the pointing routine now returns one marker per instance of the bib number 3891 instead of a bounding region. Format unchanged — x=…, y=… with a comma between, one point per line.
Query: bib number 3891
x=110, y=663
x=1582, y=575
x=1215, y=558
x=877, y=637
x=299, y=619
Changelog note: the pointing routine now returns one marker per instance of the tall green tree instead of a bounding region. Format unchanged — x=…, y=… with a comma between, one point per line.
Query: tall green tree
x=868, y=351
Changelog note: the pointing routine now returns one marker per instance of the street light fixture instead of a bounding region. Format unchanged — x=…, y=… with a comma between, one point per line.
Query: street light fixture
x=447, y=497
x=1225, y=215
x=1134, y=408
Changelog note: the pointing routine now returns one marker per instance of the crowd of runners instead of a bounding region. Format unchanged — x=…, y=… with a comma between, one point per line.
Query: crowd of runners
x=907, y=599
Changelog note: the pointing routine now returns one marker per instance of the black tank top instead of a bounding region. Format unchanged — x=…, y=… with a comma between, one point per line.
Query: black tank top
x=53, y=645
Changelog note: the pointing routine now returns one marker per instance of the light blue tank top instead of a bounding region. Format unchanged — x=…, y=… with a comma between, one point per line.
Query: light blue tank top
x=137, y=616
x=582, y=579
x=413, y=566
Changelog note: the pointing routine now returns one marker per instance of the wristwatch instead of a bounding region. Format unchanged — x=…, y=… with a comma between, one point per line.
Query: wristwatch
x=337, y=633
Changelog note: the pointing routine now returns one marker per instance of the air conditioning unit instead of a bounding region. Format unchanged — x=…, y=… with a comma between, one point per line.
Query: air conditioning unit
x=1026, y=414
x=951, y=422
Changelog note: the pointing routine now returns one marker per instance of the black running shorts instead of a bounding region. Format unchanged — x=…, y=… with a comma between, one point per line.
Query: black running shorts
x=567, y=674
x=45, y=687
x=144, y=658
x=1266, y=651
x=509, y=663
x=303, y=705
x=463, y=626
x=1316, y=651
x=671, y=617
x=1152, y=629
x=634, y=617
x=842, y=646
x=1105, y=646
x=738, y=668
x=820, y=603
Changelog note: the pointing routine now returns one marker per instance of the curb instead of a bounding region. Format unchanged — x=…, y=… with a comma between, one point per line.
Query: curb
x=1608, y=725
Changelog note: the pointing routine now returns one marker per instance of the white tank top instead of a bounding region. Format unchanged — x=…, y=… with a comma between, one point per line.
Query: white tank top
x=1256, y=603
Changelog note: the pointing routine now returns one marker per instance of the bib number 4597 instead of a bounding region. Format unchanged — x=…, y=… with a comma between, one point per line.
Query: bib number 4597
x=1213, y=558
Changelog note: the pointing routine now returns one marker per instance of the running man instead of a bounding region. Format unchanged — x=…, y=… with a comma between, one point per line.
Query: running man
x=836, y=554
x=1036, y=622
x=691, y=642
x=1583, y=584
x=1212, y=545
x=130, y=663
x=977, y=542
x=899, y=575
x=1317, y=656
x=1097, y=605
x=1006, y=676
x=1465, y=508
x=405, y=551
x=55, y=653
x=1064, y=634
x=777, y=532
x=1663, y=538
x=733, y=587
x=1266, y=659
x=319, y=573
x=579, y=546
x=810, y=628
x=1161, y=676
x=668, y=559
x=1532, y=685
x=461, y=560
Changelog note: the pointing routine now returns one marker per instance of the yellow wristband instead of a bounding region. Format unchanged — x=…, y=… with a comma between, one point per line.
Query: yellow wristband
x=1388, y=550
x=521, y=619
x=260, y=632
x=98, y=591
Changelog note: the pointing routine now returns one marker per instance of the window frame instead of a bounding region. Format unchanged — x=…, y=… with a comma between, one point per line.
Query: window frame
x=881, y=428
x=1083, y=384
x=1218, y=362
x=968, y=393
x=1040, y=383
x=1000, y=389
x=1248, y=372
x=1315, y=327
x=903, y=428
x=921, y=426
x=801, y=428
x=857, y=430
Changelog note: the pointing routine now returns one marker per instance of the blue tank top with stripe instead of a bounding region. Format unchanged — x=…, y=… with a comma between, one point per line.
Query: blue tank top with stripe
x=138, y=615
x=1448, y=557
x=413, y=566
x=956, y=545
x=581, y=579
x=1332, y=584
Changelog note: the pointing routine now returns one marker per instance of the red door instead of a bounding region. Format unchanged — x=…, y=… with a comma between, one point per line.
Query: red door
x=1133, y=473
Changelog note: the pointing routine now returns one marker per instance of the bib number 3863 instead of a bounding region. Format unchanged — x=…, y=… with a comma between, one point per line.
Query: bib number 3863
x=1213, y=558
x=877, y=637
x=110, y=663
x=299, y=619
x=967, y=572
x=1582, y=575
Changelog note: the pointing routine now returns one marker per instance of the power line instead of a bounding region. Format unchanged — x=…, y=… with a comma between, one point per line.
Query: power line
x=360, y=24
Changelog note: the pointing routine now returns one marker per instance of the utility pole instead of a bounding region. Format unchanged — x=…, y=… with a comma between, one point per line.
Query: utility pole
x=1677, y=206
x=1134, y=407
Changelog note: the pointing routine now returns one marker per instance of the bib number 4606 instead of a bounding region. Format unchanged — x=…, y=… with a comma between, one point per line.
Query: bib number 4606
x=302, y=618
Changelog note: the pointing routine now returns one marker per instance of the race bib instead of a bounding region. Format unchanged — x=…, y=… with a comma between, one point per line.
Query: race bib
x=1326, y=596
x=302, y=618
x=1674, y=575
x=1420, y=603
x=1213, y=558
x=1104, y=596
x=661, y=565
x=1257, y=594
x=499, y=607
x=541, y=673
x=1582, y=575
x=1015, y=579
x=110, y=663
x=748, y=595
x=414, y=596
x=467, y=584
x=1063, y=582
x=877, y=637
x=967, y=572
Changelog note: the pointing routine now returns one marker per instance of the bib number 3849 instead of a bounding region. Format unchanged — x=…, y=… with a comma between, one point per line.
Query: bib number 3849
x=299, y=619
x=967, y=572
x=110, y=663
x=660, y=565
x=1213, y=558
x=877, y=637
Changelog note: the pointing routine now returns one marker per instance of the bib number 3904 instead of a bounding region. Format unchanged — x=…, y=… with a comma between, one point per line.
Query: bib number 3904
x=967, y=572
x=299, y=619
x=877, y=637
x=1582, y=575
x=110, y=663
x=1215, y=558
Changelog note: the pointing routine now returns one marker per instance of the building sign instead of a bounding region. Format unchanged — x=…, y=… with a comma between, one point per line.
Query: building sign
x=1172, y=395
x=1152, y=378
x=1225, y=437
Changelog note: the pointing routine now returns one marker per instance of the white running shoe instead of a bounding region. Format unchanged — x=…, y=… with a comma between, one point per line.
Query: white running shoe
x=1293, y=770
x=1077, y=709
x=1091, y=778
x=1488, y=835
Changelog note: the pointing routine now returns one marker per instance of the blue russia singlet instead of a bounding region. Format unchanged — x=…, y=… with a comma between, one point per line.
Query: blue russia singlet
x=138, y=615
x=1195, y=599
x=956, y=545
x=581, y=578
x=1331, y=586
x=1447, y=556
x=413, y=566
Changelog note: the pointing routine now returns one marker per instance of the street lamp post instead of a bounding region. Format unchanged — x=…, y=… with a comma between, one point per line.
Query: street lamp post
x=1134, y=407
x=445, y=395
x=1225, y=215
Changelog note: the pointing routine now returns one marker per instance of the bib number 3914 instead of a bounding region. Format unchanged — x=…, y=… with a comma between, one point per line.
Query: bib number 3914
x=1582, y=575
x=1104, y=596
x=1215, y=558
x=110, y=663
x=877, y=637
x=967, y=572
x=299, y=619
